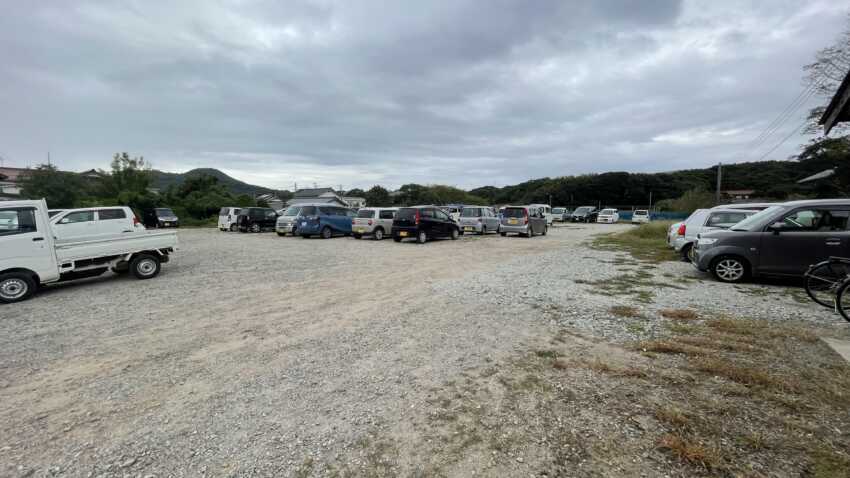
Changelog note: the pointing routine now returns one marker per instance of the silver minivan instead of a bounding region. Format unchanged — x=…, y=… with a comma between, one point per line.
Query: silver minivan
x=286, y=223
x=478, y=219
x=374, y=221
x=227, y=218
x=523, y=220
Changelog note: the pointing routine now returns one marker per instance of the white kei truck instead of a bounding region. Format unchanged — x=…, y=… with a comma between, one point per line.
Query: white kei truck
x=31, y=255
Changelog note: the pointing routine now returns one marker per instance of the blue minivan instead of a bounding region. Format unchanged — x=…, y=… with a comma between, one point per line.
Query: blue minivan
x=325, y=220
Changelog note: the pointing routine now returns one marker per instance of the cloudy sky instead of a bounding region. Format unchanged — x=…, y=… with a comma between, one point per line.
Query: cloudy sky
x=363, y=92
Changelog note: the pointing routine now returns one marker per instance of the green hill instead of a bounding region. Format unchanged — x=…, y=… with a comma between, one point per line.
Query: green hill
x=162, y=180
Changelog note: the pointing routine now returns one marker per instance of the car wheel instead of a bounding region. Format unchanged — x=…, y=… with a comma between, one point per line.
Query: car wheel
x=483, y=231
x=233, y=228
x=545, y=230
x=281, y=234
x=16, y=286
x=378, y=235
x=687, y=252
x=455, y=233
x=503, y=234
x=397, y=239
x=358, y=236
x=421, y=238
x=145, y=266
x=729, y=269
x=305, y=236
x=326, y=232
x=530, y=232
x=691, y=256
x=255, y=228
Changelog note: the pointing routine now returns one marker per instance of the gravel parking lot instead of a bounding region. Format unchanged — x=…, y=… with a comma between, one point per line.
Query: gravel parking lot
x=254, y=355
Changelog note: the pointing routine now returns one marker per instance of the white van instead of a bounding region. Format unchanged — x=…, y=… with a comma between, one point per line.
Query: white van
x=227, y=218
x=95, y=222
x=547, y=212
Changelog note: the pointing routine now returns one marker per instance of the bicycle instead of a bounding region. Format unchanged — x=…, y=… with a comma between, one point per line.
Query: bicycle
x=822, y=280
x=827, y=282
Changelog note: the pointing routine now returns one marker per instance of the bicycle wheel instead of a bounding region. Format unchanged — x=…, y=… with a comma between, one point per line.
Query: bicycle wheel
x=842, y=300
x=822, y=281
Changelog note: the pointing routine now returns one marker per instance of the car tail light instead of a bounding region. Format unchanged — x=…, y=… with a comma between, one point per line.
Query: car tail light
x=353, y=222
x=136, y=221
x=416, y=221
x=370, y=222
x=525, y=217
x=681, y=231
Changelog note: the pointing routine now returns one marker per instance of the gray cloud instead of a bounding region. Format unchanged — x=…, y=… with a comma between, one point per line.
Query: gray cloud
x=358, y=93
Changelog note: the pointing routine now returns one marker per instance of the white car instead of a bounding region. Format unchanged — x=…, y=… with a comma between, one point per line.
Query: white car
x=547, y=212
x=227, y=218
x=640, y=216
x=30, y=256
x=287, y=221
x=704, y=220
x=672, y=232
x=608, y=216
x=95, y=222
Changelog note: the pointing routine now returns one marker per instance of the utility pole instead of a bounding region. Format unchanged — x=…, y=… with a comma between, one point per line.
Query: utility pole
x=550, y=200
x=719, y=182
x=48, y=158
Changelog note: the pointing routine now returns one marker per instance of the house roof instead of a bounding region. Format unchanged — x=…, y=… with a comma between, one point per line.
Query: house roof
x=312, y=193
x=313, y=200
x=838, y=110
x=13, y=174
x=733, y=192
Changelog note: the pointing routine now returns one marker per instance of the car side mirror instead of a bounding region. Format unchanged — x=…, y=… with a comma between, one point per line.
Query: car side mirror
x=64, y=220
x=776, y=227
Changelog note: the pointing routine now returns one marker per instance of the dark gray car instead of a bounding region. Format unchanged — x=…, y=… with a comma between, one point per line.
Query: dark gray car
x=782, y=240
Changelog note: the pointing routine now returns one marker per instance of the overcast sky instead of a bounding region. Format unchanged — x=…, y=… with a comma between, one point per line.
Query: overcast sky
x=467, y=93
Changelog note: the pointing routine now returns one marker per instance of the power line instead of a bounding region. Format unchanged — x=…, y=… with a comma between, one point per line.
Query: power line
x=781, y=142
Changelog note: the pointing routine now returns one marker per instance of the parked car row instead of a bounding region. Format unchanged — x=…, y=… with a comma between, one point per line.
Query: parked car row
x=420, y=223
x=781, y=239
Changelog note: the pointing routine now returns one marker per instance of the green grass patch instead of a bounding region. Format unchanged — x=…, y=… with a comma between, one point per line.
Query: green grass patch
x=647, y=242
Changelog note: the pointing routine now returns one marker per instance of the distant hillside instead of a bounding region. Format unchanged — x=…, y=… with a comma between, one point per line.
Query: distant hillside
x=162, y=180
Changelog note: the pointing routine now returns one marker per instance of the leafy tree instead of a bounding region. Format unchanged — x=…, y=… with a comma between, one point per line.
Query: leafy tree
x=377, y=196
x=356, y=193
x=825, y=74
x=688, y=202
x=60, y=189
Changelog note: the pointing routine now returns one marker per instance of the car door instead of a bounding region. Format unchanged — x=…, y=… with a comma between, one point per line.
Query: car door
x=348, y=215
x=24, y=244
x=74, y=225
x=385, y=219
x=444, y=222
x=803, y=237
x=112, y=221
x=428, y=222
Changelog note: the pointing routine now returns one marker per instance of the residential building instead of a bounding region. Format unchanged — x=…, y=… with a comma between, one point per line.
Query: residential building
x=10, y=182
x=355, y=202
x=317, y=195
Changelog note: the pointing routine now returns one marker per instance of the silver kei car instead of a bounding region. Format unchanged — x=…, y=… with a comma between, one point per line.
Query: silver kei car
x=526, y=221
x=373, y=221
x=286, y=223
x=478, y=220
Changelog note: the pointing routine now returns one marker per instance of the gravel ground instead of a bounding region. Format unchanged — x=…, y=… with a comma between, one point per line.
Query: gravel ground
x=254, y=355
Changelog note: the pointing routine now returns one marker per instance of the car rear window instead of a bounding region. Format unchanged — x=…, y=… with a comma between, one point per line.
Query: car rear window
x=365, y=214
x=515, y=212
x=406, y=213
x=224, y=211
x=640, y=212
x=471, y=212
x=309, y=211
x=726, y=219
x=387, y=214
x=108, y=214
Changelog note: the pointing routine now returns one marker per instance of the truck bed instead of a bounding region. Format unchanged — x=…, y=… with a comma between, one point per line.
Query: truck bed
x=117, y=245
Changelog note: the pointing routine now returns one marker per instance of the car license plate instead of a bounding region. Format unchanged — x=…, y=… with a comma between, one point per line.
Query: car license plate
x=402, y=233
x=512, y=221
x=359, y=229
x=166, y=224
x=468, y=229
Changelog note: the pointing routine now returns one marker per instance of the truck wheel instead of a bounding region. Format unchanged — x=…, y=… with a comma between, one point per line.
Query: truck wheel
x=15, y=287
x=378, y=235
x=145, y=266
